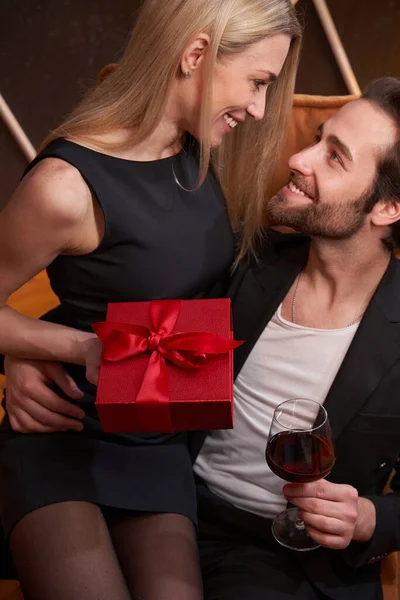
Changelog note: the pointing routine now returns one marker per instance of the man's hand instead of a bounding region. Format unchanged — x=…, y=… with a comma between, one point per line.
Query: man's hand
x=32, y=406
x=334, y=515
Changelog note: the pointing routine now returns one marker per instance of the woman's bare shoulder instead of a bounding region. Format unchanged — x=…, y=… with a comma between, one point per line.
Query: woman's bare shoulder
x=56, y=190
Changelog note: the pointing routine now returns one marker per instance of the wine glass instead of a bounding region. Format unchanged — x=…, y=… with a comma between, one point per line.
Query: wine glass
x=300, y=450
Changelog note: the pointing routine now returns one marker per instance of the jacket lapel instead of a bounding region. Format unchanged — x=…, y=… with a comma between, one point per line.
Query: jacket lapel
x=257, y=289
x=375, y=348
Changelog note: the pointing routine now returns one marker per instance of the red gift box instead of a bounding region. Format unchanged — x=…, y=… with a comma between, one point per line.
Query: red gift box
x=166, y=366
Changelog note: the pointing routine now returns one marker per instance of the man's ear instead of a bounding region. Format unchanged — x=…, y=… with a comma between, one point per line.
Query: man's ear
x=386, y=212
x=195, y=53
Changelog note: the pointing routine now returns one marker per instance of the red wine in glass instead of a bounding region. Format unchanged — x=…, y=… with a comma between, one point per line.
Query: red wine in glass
x=300, y=457
x=300, y=450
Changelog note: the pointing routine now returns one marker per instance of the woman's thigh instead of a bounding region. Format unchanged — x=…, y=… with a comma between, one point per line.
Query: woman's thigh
x=158, y=554
x=65, y=551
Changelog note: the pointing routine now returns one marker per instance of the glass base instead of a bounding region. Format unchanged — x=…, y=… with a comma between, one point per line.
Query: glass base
x=290, y=532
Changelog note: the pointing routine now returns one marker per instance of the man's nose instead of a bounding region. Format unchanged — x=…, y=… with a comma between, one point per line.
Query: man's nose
x=302, y=162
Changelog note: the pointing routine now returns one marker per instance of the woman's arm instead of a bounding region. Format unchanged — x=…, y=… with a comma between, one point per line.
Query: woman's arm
x=51, y=213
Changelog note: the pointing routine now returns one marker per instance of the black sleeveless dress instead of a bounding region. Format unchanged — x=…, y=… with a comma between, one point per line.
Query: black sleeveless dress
x=161, y=241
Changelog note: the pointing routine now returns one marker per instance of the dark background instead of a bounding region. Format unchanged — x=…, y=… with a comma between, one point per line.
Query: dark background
x=51, y=50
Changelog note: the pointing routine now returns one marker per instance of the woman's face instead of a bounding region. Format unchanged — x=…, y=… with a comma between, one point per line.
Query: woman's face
x=240, y=85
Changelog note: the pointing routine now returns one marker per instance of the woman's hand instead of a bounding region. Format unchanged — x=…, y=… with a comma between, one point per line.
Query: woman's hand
x=92, y=355
x=32, y=406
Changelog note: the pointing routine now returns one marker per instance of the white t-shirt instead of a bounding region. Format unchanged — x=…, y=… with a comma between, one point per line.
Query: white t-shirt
x=288, y=361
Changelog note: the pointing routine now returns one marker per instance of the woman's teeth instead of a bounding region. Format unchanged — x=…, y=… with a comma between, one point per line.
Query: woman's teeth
x=231, y=122
x=295, y=189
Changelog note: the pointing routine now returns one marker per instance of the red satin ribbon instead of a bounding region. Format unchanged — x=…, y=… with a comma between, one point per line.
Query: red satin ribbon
x=186, y=350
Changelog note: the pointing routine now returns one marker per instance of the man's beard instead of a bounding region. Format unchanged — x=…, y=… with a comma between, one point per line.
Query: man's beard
x=338, y=221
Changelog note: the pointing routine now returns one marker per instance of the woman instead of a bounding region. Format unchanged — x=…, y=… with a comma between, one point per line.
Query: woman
x=120, y=192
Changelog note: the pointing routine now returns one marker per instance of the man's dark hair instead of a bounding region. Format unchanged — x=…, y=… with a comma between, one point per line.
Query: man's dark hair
x=384, y=93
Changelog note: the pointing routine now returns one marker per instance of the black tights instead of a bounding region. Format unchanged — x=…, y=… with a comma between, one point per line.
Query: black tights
x=74, y=551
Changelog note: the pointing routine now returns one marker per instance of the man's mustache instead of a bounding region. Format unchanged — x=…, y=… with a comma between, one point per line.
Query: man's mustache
x=299, y=182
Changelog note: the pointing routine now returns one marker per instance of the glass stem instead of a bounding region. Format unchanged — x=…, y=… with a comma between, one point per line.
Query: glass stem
x=299, y=524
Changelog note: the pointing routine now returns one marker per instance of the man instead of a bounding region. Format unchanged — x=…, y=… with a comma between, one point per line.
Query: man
x=320, y=314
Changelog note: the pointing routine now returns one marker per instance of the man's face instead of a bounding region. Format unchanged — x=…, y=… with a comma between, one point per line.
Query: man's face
x=332, y=180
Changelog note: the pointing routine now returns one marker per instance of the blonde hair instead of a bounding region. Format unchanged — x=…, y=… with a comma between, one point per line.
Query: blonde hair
x=133, y=95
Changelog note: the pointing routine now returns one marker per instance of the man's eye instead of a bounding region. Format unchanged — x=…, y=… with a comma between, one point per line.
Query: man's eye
x=335, y=157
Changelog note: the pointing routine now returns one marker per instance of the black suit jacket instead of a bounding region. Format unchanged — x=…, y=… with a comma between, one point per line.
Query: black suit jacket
x=363, y=403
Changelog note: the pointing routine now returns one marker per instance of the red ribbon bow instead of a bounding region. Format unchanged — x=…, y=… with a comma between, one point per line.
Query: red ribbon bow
x=186, y=350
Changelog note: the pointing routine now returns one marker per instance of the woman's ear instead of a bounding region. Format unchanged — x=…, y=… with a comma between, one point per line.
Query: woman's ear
x=195, y=53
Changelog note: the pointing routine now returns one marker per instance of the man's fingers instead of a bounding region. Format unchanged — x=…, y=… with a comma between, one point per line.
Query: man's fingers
x=15, y=424
x=47, y=398
x=65, y=382
x=48, y=415
x=320, y=507
x=23, y=423
x=324, y=524
x=325, y=490
x=345, y=512
x=48, y=418
x=327, y=540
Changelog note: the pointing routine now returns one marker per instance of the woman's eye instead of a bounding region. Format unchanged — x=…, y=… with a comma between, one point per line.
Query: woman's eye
x=259, y=83
x=317, y=138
